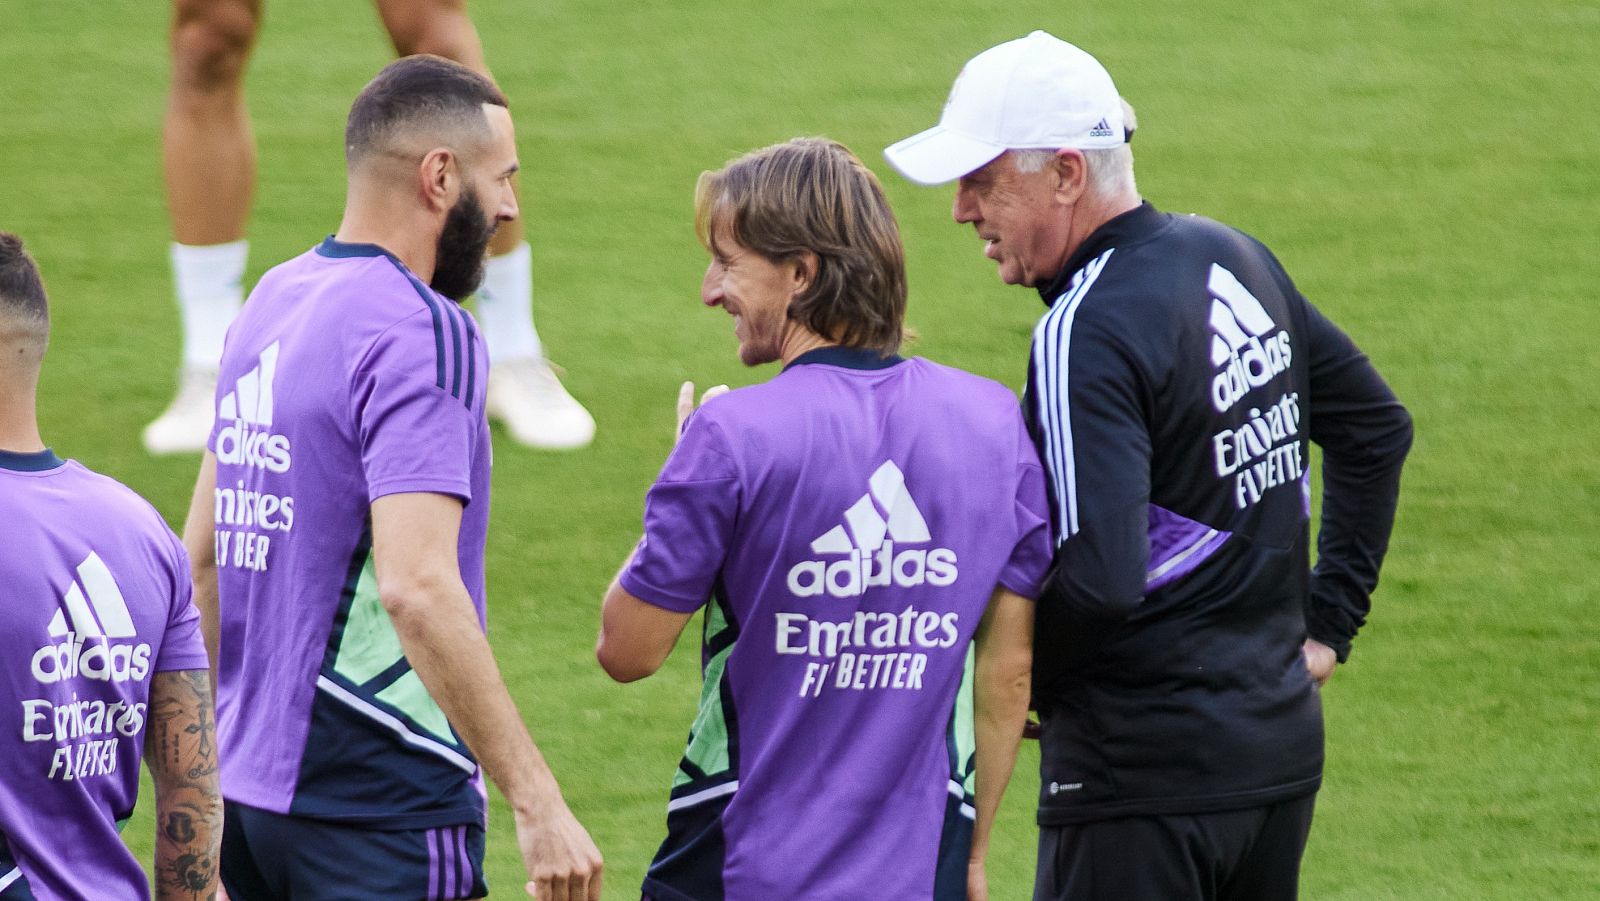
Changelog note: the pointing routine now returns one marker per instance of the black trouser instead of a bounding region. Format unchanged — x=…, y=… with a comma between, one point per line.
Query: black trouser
x=1236, y=855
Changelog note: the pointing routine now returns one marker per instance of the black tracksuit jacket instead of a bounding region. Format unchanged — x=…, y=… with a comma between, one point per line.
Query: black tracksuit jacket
x=1173, y=387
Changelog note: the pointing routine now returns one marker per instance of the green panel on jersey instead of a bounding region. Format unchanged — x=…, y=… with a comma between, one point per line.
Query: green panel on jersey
x=410, y=697
x=963, y=737
x=369, y=644
x=708, y=737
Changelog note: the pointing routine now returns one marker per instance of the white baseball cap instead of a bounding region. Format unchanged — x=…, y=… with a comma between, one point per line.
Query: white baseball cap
x=1033, y=93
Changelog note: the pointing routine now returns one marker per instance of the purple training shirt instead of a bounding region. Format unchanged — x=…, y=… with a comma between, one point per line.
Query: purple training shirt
x=96, y=601
x=845, y=525
x=344, y=379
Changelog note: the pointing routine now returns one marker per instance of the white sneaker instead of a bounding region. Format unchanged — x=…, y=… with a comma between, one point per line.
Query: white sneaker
x=529, y=400
x=186, y=423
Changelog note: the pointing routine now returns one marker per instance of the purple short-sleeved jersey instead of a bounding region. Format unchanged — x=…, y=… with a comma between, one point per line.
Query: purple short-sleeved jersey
x=96, y=591
x=845, y=525
x=344, y=379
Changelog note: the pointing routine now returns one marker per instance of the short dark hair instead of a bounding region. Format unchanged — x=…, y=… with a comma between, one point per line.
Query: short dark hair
x=813, y=194
x=21, y=289
x=413, y=90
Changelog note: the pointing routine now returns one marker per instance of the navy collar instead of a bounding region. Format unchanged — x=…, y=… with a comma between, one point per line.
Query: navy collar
x=1127, y=228
x=36, y=462
x=847, y=357
x=340, y=250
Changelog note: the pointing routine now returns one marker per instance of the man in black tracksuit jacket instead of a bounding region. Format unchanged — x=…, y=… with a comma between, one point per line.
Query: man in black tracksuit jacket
x=1174, y=387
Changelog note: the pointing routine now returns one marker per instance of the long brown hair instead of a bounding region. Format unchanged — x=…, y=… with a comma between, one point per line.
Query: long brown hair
x=813, y=194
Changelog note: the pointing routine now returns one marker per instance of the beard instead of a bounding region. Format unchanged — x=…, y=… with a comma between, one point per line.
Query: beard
x=461, y=255
x=763, y=336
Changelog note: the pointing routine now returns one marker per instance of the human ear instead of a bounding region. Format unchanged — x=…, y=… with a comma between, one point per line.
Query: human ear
x=440, y=176
x=1071, y=175
x=805, y=270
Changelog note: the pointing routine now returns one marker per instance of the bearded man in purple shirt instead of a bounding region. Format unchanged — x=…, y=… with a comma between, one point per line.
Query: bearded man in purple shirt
x=338, y=534
x=854, y=528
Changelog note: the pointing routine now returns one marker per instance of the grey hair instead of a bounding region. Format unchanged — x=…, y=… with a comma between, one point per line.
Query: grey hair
x=1110, y=169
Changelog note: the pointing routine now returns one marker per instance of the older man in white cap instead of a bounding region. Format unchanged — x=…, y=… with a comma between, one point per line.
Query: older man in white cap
x=1172, y=386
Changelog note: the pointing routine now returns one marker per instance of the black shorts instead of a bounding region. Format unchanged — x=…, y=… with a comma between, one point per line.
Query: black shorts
x=268, y=856
x=1235, y=855
x=13, y=885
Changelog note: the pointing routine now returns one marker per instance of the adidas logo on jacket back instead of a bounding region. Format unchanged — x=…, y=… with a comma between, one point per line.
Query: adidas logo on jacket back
x=1240, y=340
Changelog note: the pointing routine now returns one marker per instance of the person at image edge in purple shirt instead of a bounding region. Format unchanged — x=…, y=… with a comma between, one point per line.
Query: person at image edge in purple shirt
x=101, y=663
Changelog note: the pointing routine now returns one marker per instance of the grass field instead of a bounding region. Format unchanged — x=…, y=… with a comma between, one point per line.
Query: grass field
x=1428, y=170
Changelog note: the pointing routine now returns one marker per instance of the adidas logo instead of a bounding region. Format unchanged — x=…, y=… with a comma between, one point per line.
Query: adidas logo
x=93, y=612
x=1240, y=344
x=254, y=388
x=884, y=516
x=1102, y=129
x=250, y=404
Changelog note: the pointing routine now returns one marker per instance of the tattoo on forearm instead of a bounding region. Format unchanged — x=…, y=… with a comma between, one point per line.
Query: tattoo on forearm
x=194, y=874
x=181, y=751
x=179, y=827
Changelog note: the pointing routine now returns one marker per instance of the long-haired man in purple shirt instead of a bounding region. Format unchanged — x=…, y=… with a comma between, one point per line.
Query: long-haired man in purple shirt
x=854, y=528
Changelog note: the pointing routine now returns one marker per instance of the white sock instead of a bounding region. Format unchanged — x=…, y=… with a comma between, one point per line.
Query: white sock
x=505, y=306
x=210, y=283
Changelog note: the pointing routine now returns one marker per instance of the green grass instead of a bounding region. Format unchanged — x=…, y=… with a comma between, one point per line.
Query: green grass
x=1428, y=171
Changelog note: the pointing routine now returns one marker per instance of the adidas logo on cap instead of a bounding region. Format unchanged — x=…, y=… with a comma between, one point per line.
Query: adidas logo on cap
x=1240, y=344
x=873, y=525
x=1102, y=129
x=250, y=403
x=93, y=612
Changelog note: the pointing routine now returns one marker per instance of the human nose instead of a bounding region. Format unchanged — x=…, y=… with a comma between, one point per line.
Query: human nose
x=509, y=207
x=965, y=207
x=711, y=292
